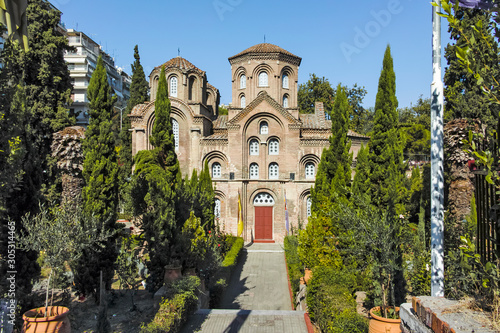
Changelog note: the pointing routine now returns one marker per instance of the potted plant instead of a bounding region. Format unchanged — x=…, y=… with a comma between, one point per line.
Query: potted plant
x=60, y=233
x=377, y=237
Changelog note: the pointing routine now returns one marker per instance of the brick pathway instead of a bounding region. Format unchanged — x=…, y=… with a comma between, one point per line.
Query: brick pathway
x=256, y=300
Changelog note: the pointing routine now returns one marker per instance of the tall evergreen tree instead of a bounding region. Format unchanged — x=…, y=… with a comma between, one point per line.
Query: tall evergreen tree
x=100, y=172
x=35, y=92
x=386, y=149
x=361, y=181
x=155, y=189
x=138, y=94
x=464, y=97
x=207, y=198
x=334, y=170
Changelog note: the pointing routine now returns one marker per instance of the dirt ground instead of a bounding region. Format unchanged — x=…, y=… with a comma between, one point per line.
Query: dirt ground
x=83, y=313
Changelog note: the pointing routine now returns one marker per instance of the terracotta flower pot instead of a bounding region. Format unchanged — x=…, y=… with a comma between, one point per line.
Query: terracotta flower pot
x=383, y=325
x=58, y=321
x=308, y=275
x=172, y=274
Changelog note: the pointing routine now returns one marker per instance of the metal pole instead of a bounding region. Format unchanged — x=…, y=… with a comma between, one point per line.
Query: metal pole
x=437, y=174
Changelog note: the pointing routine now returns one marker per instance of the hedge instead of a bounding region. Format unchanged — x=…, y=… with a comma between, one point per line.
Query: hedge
x=181, y=300
x=331, y=303
x=222, y=277
x=295, y=268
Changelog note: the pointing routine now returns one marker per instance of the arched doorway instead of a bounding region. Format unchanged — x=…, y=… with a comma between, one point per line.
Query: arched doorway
x=263, y=203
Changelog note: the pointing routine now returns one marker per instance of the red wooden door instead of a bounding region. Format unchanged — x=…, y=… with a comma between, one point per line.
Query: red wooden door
x=263, y=223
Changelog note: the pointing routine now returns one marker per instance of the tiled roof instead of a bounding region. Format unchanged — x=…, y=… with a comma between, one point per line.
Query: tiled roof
x=264, y=48
x=312, y=121
x=217, y=136
x=181, y=63
x=211, y=86
x=220, y=122
x=357, y=135
x=140, y=109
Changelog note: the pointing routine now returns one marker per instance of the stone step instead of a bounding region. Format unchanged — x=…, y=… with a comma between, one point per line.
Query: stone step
x=246, y=321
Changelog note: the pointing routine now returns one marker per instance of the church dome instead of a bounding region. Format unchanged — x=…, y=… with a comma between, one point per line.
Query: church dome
x=182, y=64
x=264, y=48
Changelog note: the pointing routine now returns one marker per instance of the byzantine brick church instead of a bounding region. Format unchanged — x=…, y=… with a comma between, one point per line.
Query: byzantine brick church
x=263, y=150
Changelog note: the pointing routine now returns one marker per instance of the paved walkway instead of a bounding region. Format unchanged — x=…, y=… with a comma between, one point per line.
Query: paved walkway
x=256, y=300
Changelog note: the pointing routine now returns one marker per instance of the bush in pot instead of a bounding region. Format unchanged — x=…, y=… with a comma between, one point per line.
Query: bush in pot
x=59, y=233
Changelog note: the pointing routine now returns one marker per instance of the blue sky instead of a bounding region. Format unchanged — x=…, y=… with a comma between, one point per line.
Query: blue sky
x=343, y=41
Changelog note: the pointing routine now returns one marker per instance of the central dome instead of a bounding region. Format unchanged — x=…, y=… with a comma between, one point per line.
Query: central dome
x=264, y=48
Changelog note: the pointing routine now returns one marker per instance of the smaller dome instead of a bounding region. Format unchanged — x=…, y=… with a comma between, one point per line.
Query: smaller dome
x=182, y=64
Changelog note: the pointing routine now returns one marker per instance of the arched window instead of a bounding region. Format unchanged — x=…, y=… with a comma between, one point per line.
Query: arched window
x=308, y=206
x=273, y=171
x=285, y=81
x=254, y=171
x=243, y=81
x=310, y=170
x=263, y=79
x=274, y=147
x=264, y=128
x=285, y=101
x=216, y=170
x=243, y=101
x=175, y=129
x=191, y=85
x=254, y=147
x=173, y=86
x=263, y=199
x=217, y=208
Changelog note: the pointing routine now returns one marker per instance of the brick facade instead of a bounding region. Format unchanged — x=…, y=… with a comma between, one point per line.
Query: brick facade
x=234, y=144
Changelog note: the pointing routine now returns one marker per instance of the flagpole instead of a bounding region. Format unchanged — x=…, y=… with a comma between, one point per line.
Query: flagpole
x=437, y=174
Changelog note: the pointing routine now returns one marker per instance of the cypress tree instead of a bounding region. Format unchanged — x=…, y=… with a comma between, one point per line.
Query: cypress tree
x=138, y=94
x=361, y=181
x=100, y=172
x=207, y=198
x=155, y=190
x=464, y=97
x=334, y=170
x=386, y=149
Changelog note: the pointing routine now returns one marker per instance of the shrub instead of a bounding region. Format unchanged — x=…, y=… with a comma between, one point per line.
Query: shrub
x=331, y=303
x=224, y=274
x=295, y=268
x=180, y=302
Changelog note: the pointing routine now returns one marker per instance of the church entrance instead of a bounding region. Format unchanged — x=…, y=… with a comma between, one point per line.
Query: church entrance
x=263, y=203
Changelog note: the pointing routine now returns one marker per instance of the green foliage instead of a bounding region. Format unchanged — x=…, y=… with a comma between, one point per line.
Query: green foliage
x=330, y=301
x=220, y=279
x=295, y=267
x=472, y=218
x=138, y=94
x=386, y=147
x=154, y=191
x=194, y=236
x=361, y=181
x=100, y=192
x=62, y=233
x=127, y=262
x=464, y=97
x=180, y=302
x=222, y=111
x=231, y=257
x=319, y=90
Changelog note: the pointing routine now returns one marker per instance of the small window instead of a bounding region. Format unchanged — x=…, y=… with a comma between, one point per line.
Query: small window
x=175, y=130
x=263, y=199
x=310, y=170
x=254, y=171
x=216, y=170
x=273, y=171
x=254, y=147
x=285, y=101
x=191, y=86
x=263, y=79
x=285, y=81
x=217, y=208
x=173, y=86
x=243, y=81
x=243, y=101
x=264, y=128
x=274, y=147
x=308, y=206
